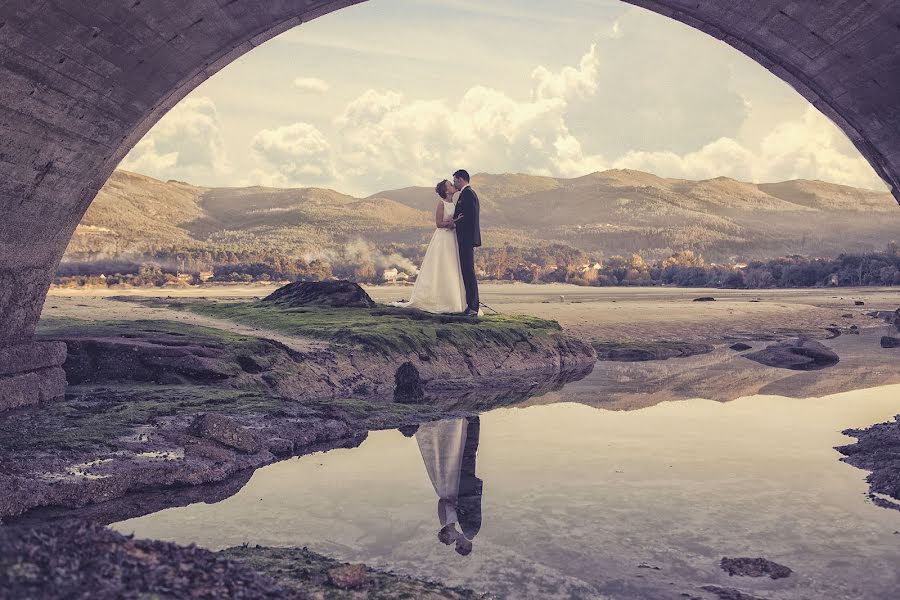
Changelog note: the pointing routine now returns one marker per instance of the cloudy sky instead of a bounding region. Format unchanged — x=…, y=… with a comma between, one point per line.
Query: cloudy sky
x=392, y=93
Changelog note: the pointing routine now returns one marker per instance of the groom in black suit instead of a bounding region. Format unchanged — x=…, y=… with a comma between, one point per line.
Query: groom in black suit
x=468, y=234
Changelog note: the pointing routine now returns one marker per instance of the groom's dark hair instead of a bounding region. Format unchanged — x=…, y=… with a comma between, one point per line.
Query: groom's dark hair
x=463, y=174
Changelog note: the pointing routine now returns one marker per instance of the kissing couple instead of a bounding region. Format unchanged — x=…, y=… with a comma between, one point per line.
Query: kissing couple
x=446, y=281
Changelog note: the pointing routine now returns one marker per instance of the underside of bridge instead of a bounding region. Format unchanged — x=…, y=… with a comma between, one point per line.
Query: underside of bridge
x=84, y=80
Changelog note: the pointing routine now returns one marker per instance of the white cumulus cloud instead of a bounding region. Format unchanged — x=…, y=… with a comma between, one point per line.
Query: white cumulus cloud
x=384, y=139
x=185, y=144
x=570, y=81
x=811, y=147
x=388, y=139
x=293, y=155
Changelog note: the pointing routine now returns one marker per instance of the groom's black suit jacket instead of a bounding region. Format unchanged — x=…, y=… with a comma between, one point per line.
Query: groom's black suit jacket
x=468, y=229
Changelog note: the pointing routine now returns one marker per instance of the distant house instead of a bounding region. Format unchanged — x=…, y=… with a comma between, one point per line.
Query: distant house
x=834, y=280
x=390, y=275
x=188, y=277
x=205, y=276
x=402, y=276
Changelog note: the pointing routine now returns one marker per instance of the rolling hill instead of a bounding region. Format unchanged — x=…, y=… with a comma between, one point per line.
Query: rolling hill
x=606, y=213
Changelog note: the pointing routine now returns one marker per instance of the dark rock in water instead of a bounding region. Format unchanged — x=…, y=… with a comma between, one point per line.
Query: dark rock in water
x=859, y=303
x=227, y=432
x=408, y=385
x=847, y=315
x=348, y=577
x=641, y=351
x=834, y=331
x=877, y=449
x=754, y=567
x=728, y=593
x=741, y=346
x=890, y=342
x=334, y=294
x=705, y=299
x=797, y=355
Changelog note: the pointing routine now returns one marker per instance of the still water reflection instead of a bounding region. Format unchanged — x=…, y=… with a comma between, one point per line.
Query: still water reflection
x=449, y=448
x=585, y=503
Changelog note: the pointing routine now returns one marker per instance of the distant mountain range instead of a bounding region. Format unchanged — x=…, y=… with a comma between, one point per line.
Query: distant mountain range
x=611, y=212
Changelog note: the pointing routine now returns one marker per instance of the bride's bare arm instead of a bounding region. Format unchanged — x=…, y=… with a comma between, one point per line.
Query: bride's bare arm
x=439, y=221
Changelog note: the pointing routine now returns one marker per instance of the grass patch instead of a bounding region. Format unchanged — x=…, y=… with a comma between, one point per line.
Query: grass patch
x=382, y=329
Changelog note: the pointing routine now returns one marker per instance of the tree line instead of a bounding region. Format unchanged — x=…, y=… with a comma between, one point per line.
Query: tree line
x=544, y=263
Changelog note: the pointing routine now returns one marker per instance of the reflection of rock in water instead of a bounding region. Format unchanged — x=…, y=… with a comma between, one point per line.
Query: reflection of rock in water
x=141, y=503
x=500, y=391
x=877, y=449
x=641, y=351
x=313, y=428
x=137, y=504
x=724, y=375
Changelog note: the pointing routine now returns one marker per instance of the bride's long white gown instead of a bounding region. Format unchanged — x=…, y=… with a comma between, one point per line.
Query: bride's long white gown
x=439, y=287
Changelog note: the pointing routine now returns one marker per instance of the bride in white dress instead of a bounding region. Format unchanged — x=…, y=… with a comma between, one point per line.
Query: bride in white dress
x=439, y=287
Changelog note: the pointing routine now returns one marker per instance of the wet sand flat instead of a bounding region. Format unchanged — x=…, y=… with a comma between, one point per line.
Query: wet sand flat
x=609, y=313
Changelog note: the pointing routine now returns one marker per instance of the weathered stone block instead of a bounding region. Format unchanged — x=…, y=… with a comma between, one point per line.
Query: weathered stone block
x=23, y=358
x=34, y=387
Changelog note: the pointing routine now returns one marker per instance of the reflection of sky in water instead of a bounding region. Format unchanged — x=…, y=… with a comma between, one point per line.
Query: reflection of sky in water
x=576, y=498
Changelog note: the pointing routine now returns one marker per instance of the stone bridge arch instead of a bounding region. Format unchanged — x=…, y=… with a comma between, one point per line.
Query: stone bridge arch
x=81, y=81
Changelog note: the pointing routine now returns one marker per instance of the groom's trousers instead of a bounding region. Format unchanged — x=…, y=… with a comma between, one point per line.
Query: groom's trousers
x=467, y=266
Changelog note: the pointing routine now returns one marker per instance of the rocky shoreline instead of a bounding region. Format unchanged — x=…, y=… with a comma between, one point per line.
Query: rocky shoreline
x=159, y=406
x=78, y=559
x=877, y=450
x=162, y=413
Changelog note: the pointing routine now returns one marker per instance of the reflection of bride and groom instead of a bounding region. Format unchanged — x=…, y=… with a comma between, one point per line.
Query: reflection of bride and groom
x=447, y=282
x=448, y=449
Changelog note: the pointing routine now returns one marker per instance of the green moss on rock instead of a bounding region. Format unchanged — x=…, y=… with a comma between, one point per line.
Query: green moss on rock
x=384, y=330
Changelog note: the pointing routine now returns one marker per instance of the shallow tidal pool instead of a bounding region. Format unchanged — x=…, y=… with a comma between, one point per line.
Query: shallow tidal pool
x=564, y=500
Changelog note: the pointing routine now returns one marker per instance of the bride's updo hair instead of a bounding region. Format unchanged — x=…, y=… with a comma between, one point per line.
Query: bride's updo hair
x=441, y=189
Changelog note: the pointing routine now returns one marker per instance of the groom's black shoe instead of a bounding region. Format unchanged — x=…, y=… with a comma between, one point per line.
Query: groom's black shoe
x=470, y=313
